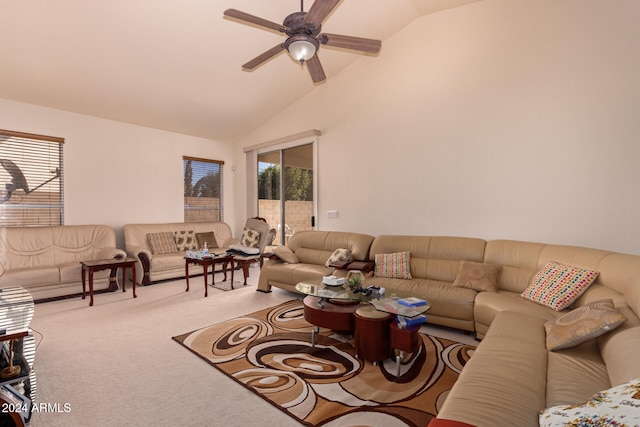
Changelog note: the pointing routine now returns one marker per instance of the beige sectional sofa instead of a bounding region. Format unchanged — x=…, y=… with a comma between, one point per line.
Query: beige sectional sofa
x=46, y=260
x=160, y=266
x=512, y=375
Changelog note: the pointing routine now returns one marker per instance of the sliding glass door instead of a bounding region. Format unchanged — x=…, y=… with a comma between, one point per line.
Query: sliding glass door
x=285, y=190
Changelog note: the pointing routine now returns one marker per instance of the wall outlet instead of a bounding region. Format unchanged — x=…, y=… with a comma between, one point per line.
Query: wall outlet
x=332, y=214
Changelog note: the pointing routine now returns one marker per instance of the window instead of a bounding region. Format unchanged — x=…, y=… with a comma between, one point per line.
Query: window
x=31, y=179
x=203, y=180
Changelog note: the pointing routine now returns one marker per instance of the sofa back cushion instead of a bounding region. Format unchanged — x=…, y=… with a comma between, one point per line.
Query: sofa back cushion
x=618, y=273
x=432, y=257
x=135, y=235
x=28, y=247
x=315, y=247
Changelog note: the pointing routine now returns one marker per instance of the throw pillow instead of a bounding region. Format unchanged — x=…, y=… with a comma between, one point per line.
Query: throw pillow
x=162, y=243
x=478, y=276
x=286, y=254
x=185, y=240
x=250, y=238
x=339, y=255
x=557, y=285
x=582, y=324
x=209, y=237
x=617, y=406
x=396, y=266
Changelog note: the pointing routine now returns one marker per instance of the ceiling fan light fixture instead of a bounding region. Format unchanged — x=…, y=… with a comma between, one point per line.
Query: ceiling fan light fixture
x=302, y=47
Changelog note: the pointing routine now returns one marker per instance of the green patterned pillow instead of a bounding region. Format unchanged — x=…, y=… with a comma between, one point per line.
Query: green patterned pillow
x=557, y=285
x=162, y=243
x=582, y=324
x=395, y=266
x=185, y=240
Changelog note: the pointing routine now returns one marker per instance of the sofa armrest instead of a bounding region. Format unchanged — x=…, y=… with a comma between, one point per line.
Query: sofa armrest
x=112, y=253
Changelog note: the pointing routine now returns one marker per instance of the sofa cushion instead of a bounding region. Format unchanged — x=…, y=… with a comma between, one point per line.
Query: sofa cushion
x=582, y=324
x=616, y=406
x=285, y=254
x=339, y=254
x=209, y=238
x=394, y=266
x=162, y=243
x=478, y=276
x=557, y=285
x=250, y=238
x=185, y=240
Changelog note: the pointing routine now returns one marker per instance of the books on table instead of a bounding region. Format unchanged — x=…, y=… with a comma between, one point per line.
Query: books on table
x=412, y=302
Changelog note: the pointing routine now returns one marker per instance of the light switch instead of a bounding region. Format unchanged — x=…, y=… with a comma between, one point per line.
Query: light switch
x=332, y=214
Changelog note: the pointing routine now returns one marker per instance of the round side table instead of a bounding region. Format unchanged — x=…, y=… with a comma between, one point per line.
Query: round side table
x=372, y=334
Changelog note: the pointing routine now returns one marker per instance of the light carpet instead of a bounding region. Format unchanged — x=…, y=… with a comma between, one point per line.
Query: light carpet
x=269, y=352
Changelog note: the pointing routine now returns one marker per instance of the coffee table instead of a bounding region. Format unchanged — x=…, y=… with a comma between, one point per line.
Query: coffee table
x=205, y=262
x=328, y=307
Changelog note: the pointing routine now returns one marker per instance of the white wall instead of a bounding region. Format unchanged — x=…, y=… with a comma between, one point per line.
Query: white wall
x=116, y=173
x=509, y=119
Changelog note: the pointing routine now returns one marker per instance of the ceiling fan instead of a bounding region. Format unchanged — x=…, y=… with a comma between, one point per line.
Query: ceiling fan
x=304, y=37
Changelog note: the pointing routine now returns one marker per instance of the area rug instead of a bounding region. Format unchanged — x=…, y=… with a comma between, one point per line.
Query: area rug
x=269, y=352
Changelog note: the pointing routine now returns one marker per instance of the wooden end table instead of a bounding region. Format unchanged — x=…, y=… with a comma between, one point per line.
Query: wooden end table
x=108, y=264
x=205, y=263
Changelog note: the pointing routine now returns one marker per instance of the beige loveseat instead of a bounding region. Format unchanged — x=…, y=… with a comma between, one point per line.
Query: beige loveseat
x=512, y=376
x=160, y=266
x=46, y=260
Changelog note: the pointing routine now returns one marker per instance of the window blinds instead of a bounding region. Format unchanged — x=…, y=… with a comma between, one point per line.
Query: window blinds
x=31, y=179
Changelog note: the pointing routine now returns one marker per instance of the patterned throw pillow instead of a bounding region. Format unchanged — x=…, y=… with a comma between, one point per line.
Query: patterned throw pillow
x=250, y=238
x=339, y=255
x=582, y=324
x=162, y=243
x=395, y=266
x=557, y=285
x=185, y=240
x=478, y=276
x=617, y=406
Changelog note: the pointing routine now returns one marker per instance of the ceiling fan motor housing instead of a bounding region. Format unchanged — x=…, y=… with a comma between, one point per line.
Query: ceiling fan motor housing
x=295, y=25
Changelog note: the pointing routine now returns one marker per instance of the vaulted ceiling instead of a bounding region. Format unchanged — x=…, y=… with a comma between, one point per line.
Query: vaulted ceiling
x=172, y=64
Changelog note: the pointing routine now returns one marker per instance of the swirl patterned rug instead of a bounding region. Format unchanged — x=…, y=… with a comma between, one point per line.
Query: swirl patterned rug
x=270, y=353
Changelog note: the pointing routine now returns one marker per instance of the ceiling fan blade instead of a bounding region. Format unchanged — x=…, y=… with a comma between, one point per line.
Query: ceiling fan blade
x=319, y=11
x=242, y=16
x=349, y=42
x=315, y=69
x=263, y=57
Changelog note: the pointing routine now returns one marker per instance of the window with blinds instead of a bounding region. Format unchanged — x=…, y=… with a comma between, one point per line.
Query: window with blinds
x=31, y=179
x=203, y=183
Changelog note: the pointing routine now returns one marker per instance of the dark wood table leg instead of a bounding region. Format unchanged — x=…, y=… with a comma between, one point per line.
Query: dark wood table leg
x=90, y=286
x=186, y=273
x=233, y=267
x=133, y=279
x=124, y=278
x=84, y=289
x=205, y=265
